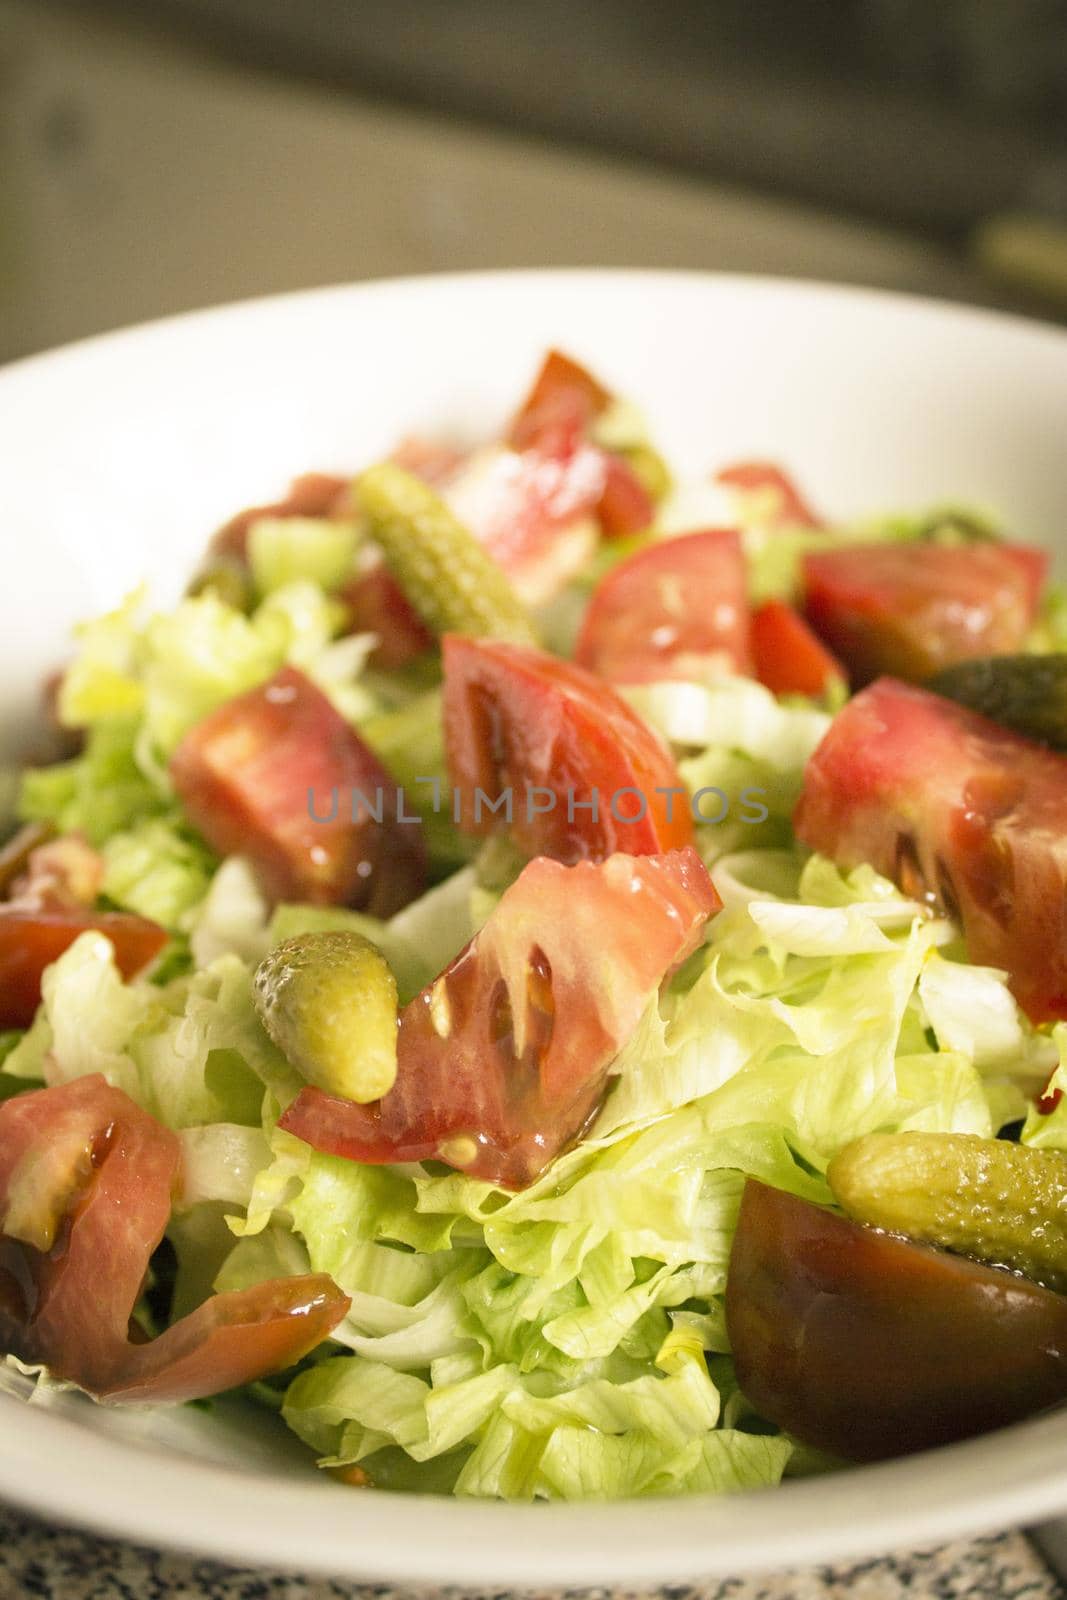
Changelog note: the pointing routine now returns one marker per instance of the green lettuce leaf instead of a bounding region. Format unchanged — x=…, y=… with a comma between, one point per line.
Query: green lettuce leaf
x=284, y=550
x=190, y=1052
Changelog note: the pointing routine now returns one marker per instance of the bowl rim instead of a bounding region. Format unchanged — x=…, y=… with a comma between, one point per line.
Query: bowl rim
x=754, y=284
x=1017, y=1476
x=257, y=1520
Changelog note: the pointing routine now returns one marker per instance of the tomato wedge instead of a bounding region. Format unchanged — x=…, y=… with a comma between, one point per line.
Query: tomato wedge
x=956, y=810
x=559, y=413
x=625, y=506
x=375, y=603
x=584, y=775
x=870, y=1346
x=503, y=1059
x=678, y=609
x=86, y=1179
x=910, y=609
x=788, y=657
x=562, y=405
x=253, y=772
x=32, y=938
x=768, y=495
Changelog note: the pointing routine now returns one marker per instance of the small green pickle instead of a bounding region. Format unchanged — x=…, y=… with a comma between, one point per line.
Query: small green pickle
x=455, y=586
x=329, y=1002
x=1001, y=1203
x=1026, y=692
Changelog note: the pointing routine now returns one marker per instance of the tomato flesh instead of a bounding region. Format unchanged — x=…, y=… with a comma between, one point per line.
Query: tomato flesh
x=73, y=1258
x=870, y=1346
x=503, y=1060
x=910, y=609
x=558, y=415
x=558, y=740
x=32, y=938
x=563, y=403
x=250, y=774
x=625, y=506
x=678, y=609
x=958, y=811
x=788, y=657
x=375, y=603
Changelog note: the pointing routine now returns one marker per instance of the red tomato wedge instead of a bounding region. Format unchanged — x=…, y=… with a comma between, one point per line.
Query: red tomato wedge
x=562, y=405
x=503, y=1059
x=560, y=742
x=86, y=1179
x=769, y=494
x=625, y=506
x=910, y=609
x=251, y=774
x=788, y=657
x=678, y=609
x=32, y=938
x=558, y=413
x=956, y=810
x=870, y=1346
x=376, y=603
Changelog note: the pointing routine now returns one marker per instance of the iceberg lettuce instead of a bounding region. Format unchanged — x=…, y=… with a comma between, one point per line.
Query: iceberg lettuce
x=532, y=1349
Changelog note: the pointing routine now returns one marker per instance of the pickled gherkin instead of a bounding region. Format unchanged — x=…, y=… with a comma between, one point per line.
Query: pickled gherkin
x=1001, y=1203
x=453, y=583
x=329, y=1002
x=1027, y=693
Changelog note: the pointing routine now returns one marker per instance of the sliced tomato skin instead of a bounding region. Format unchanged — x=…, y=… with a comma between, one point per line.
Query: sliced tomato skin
x=870, y=1346
x=31, y=939
x=517, y=719
x=788, y=657
x=563, y=403
x=959, y=811
x=678, y=609
x=910, y=609
x=568, y=959
x=557, y=416
x=625, y=505
x=249, y=774
x=103, y=1176
x=1033, y=564
x=785, y=505
x=375, y=603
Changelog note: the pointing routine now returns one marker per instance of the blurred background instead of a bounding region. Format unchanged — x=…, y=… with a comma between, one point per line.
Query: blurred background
x=157, y=155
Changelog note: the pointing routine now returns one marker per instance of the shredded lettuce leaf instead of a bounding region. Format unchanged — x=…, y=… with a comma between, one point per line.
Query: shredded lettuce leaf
x=190, y=1052
x=567, y=1341
x=533, y=1344
x=284, y=550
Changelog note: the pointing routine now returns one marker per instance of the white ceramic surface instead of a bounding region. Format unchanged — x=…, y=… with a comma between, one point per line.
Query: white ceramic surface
x=118, y=456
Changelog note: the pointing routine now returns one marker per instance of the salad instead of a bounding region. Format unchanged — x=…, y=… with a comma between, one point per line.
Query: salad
x=549, y=979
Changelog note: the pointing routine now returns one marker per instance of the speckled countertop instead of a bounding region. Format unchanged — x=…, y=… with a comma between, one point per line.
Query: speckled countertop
x=49, y=1563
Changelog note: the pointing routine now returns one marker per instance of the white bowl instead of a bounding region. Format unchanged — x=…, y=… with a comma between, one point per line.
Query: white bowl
x=118, y=458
